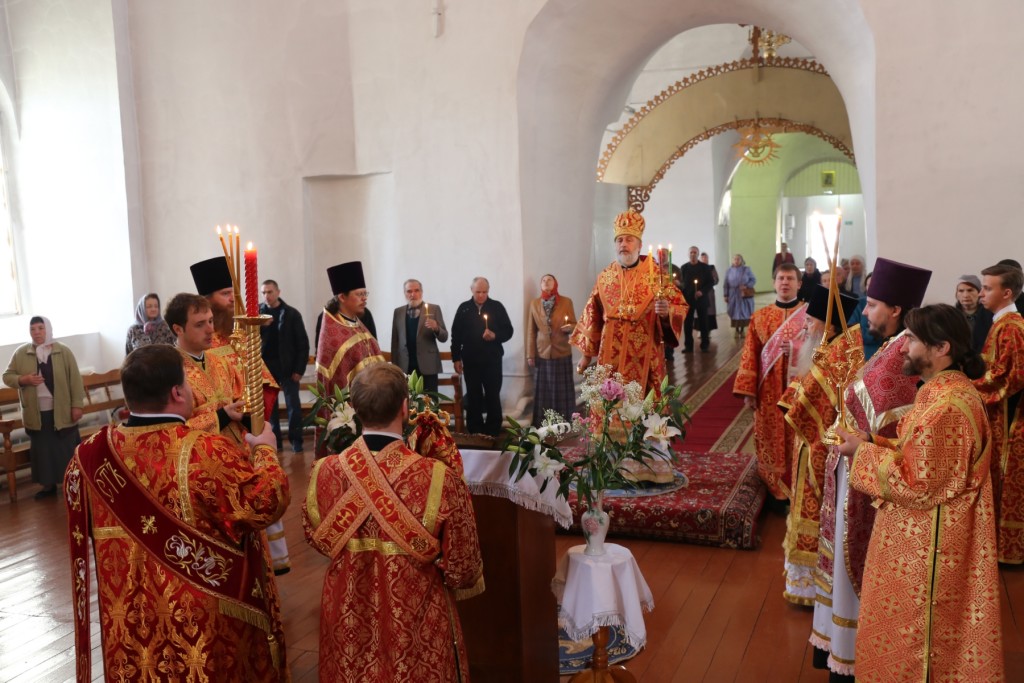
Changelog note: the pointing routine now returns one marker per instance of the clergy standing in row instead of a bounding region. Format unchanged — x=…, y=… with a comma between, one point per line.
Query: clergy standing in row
x=345, y=346
x=213, y=281
x=631, y=314
x=930, y=602
x=175, y=516
x=401, y=537
x=764, y=373
x=1001, y=389
x=880, y=396
x=811, y=406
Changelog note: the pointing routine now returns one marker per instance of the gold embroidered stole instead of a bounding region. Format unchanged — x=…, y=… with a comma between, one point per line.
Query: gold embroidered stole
x=370, y=494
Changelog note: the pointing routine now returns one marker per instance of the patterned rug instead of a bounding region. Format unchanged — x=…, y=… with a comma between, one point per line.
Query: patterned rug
x=574, y=656
x=723, y=497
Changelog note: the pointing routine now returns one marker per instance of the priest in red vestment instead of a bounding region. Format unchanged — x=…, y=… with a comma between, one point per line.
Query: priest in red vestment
x=632, y=313
x=400, y=534
x=345, y=346
x=1001, y=387
x=175, y=516
x=810, y=406
x=773, y=339
x=929, y=607
x=875, y=401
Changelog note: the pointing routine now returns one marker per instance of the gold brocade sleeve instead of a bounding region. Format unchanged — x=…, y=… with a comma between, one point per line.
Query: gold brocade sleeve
x=460, y=562
x=1004, y=360
x=678, y=308
x=934, y=461
x=587, y=335
x=750, y=358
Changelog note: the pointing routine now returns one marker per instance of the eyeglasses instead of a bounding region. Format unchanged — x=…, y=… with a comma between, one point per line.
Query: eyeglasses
x=364, y=294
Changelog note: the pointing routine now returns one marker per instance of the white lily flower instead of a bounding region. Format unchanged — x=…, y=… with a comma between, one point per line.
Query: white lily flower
x=344, y=416
x=659, y=430
x=545, y=466
x=633, y=410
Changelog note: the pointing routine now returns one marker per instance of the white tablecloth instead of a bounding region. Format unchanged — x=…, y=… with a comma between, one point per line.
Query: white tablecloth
x=602, y=590
x=486, y=474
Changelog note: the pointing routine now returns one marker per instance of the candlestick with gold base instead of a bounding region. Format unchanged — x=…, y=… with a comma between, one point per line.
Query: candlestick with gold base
x=248, y=348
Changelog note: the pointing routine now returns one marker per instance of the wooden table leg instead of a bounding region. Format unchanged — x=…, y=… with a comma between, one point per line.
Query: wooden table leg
x=599, y=671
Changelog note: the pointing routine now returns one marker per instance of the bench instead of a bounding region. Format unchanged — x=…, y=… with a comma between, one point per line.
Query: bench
x=448, y=384
x=102, y=395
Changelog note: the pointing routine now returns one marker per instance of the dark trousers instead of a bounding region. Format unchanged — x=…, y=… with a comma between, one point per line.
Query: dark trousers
x=698, y=309
x=483, y=394
x=290, y=389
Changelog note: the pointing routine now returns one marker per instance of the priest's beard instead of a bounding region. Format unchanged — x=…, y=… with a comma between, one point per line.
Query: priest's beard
x=628, y=258
x=915, y=366
x=223, y=320
x=805, y=358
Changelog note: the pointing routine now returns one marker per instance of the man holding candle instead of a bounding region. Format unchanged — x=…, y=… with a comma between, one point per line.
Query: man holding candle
x=698, y=287
x=345, y=346
x=479, y=329
x=415, y=330
x=215, y=281
x=629, y=315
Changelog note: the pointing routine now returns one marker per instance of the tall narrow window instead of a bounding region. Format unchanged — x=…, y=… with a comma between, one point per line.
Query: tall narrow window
x=10, y=296
x=815, y=246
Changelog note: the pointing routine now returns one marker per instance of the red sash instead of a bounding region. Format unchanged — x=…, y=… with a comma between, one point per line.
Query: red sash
x=791, y=330
x=370, y=493
x=236, y=577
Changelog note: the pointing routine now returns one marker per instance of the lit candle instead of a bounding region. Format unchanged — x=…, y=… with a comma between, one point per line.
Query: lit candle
x=223, y=246
x=670, y=256
x=485, y=322
x=238, y=256
x=566, y=320
x=426, y=309
x=252, y=306
x=650, y=260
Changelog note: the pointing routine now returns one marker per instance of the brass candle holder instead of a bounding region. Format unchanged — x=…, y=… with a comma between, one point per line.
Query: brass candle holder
x=247, y=346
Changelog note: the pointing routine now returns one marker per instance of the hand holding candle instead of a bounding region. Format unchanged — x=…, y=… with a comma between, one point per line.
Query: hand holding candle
x=485, y=323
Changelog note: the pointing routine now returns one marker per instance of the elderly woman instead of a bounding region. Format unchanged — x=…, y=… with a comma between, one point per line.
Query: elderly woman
x=550, y=321
x=739, y=293
x=149, y=327
x=52, y=397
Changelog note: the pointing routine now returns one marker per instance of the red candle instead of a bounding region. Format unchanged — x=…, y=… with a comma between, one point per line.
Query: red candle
x=252, y=303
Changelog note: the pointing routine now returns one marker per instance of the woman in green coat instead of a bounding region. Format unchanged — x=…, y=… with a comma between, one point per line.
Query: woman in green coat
x=52, y=396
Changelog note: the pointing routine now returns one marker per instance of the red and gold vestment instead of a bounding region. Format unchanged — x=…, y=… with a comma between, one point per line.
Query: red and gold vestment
x=345, y=348
x=775, y=333
x=185, y=611
x=215, y=383
x=811, y=408
x=400, y=532
x=1004, y=378
x=930, y=602
x=619, y=327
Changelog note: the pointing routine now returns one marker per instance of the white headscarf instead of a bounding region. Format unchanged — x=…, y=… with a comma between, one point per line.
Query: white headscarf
x=43, y=350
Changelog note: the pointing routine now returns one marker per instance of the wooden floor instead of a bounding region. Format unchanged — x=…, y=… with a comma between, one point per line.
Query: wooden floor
x=719, y=614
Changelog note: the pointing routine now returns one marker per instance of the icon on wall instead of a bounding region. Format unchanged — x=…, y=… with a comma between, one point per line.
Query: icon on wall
x=828, y=180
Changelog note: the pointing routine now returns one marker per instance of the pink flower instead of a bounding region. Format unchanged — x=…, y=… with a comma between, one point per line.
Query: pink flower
x=612, y=391
x=591, y=525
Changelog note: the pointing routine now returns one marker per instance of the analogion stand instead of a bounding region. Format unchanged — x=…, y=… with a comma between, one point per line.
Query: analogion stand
x=599, y=591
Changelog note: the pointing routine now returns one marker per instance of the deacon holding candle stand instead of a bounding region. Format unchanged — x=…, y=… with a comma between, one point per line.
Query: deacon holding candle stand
x=218, y=279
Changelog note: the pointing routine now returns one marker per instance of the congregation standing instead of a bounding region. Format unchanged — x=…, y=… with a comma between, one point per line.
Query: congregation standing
x=934, y=443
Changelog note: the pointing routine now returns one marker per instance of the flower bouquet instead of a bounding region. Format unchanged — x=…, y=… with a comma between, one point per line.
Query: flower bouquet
x=624, y=432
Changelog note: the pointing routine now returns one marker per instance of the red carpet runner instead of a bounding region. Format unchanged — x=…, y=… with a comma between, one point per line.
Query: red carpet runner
x=711, y=420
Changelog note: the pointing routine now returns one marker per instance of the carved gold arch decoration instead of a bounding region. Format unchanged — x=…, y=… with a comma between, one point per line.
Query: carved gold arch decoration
x=781, y=93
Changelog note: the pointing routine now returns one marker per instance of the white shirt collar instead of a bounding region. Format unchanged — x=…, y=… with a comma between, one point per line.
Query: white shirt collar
x=1009, y=308
x=374, y=431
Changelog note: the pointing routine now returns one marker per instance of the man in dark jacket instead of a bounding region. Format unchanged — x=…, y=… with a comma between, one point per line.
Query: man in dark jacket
x=480, y=327
x=285, y=348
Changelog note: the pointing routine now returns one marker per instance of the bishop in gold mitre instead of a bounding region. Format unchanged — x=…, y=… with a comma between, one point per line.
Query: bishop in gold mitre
x=631, y=312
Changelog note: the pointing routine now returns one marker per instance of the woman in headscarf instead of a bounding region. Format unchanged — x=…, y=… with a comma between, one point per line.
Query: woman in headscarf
x=149, y=327
x=739, y=293
x=52, y=397
x=550, y=321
